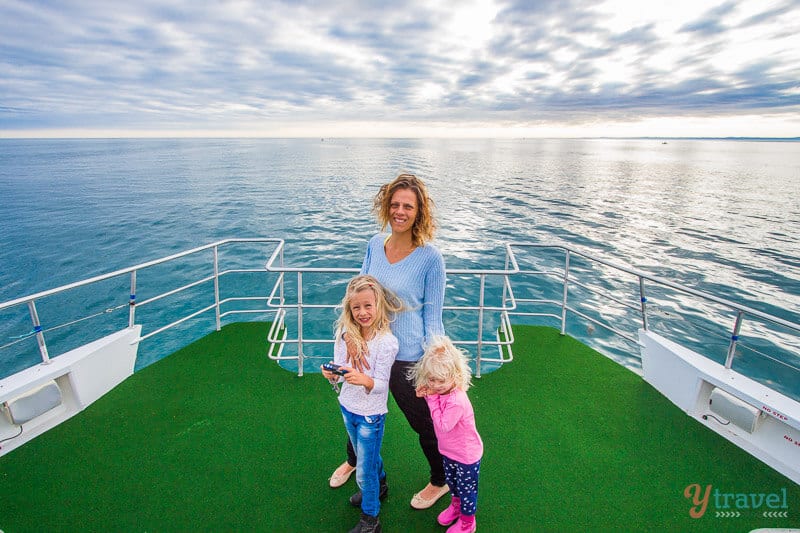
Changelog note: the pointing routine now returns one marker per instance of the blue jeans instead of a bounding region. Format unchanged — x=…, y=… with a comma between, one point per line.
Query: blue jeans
x=366, y=434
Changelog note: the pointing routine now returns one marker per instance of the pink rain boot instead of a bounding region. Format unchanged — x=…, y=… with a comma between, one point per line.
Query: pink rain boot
x=451, y=514
x=465, y=524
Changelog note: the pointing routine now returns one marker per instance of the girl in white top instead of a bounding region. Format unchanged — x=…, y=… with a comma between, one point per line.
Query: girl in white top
x=367, y=310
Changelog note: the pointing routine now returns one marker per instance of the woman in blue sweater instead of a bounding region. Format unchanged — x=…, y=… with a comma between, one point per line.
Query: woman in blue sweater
x=406, y=262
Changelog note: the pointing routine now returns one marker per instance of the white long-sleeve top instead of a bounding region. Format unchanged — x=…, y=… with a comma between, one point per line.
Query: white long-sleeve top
x=381, y=352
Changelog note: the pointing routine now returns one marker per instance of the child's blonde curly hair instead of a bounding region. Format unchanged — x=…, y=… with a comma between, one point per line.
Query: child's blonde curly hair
x=387, y=306
x=442, y=360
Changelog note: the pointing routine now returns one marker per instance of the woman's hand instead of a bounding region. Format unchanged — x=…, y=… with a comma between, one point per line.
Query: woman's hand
x=422, y=391
x=359, y=364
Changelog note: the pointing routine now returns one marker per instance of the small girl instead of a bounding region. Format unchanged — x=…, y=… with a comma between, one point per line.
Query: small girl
x=442, y=377
x=367, y=310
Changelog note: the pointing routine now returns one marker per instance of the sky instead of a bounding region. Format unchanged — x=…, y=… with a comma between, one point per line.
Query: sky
x=416, y=68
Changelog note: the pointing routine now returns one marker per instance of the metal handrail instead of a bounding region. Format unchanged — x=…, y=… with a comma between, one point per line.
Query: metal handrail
x=141, y=266
x=299, y=307
x=665, y=282
x=275, y=301
x=741, y=310
x=39, y=331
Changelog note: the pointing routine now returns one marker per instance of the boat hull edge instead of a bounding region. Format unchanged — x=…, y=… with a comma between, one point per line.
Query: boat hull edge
x=758, y=419
x=81, y=376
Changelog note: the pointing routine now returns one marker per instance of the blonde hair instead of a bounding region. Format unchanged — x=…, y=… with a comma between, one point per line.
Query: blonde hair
x=424, y=225
x=387, y=305
x=442, y=360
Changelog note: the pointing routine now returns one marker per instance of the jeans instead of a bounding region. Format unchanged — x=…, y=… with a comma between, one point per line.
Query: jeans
x=366, y=434
x=418, y=415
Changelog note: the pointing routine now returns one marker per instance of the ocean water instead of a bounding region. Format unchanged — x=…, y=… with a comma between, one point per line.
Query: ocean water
x=720, y=216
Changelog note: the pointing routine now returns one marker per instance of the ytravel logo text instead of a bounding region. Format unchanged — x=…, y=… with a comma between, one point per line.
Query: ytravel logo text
x=734, y=504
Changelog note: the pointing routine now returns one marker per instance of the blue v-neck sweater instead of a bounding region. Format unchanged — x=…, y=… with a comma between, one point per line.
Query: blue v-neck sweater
x=419, y=281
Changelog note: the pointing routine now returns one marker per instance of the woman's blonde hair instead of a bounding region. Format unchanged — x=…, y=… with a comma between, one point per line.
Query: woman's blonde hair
x=442, y=360
x=387, y=305
x=424, y=225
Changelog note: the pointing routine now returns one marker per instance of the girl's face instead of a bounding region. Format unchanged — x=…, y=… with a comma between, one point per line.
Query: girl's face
x=441, y=386
x=403, y=210
x=363, y=309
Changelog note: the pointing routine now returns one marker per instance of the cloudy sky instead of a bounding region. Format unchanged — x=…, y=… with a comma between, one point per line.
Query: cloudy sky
x=414, y=68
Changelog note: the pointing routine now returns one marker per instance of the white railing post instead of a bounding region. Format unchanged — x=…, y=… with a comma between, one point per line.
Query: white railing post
x=281, y=265
x=216, y=287
x=505, y=267
x=564, y=298
x=643, y=300
x=132, y=301
x=37, y=327
x=734, y=339
x=480, y=326
x=300, y=356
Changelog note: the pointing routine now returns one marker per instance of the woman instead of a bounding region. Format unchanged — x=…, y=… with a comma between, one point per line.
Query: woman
x=409, y=265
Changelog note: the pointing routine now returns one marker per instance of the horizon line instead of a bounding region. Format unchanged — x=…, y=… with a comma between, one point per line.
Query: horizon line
x=322, y=137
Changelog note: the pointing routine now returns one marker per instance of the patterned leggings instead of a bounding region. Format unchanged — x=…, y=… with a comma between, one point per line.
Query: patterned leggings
x=463, y=482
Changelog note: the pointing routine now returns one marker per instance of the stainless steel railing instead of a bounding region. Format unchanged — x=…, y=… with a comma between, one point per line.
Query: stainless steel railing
x=639, y=300
x=277, y=335
x=275, y=304
x=133, y=305
x=584, y=290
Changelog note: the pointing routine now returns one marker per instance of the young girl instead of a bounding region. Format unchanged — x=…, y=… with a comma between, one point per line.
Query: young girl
x=367, y=309
x=442, y=377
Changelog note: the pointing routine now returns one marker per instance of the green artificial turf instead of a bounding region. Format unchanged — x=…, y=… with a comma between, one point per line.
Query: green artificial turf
x=218, y=438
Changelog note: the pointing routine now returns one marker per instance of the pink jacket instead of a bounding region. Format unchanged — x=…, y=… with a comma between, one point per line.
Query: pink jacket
x=454, y=424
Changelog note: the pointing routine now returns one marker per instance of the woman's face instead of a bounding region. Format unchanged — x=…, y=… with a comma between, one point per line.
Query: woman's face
x=403, y=210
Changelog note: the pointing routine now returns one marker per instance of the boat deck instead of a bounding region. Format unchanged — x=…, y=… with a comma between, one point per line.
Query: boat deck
x=216, y=437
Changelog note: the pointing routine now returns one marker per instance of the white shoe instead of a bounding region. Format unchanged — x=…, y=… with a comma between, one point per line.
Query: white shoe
x=341, y=474
x=418, y=502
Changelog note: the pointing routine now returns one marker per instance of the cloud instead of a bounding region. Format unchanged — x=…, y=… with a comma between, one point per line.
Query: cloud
x=711, y=23
x=247, y=65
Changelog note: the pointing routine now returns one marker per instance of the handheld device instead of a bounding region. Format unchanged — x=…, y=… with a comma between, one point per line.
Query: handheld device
x=336, y=369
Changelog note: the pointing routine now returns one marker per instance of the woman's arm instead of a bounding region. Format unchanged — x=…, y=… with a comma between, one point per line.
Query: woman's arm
x=385, y=352
x=434, y=297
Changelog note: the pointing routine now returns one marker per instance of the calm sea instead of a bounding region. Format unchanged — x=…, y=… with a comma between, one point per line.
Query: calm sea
x=720, y=216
